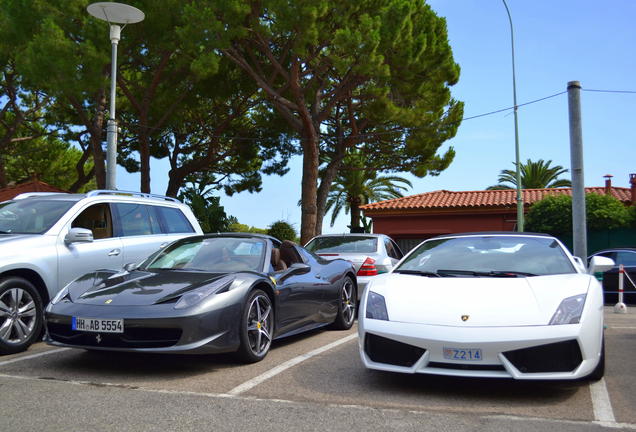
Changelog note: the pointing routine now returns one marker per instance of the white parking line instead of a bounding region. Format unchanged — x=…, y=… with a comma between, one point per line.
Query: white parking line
x=601, y=405
x=32, y=356
x=248, y=385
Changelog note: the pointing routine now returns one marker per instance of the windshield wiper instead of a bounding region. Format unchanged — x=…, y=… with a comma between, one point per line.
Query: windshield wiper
x=418, y=272
x=493, y=273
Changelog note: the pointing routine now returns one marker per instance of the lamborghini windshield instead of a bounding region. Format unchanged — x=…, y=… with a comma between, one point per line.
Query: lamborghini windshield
x=488, y=256
x=215, y=254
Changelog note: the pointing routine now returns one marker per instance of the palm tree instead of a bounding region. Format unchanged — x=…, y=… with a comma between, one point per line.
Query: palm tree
x=534, y=175
x=355, y=186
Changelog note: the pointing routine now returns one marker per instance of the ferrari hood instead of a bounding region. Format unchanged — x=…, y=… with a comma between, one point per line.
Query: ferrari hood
x=476, y=301
x=140, y=288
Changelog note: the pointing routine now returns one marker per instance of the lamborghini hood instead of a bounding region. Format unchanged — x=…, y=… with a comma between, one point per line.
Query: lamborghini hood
x=138, y=288
x=476, y=301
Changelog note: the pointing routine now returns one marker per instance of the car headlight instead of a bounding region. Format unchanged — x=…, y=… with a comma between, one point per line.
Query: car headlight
x=196, y=295
x=60, y=295
x=569, y=311
x=376, y=307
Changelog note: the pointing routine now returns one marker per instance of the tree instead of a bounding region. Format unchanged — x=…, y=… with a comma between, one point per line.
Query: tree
x=355, y=186
x=534, y=175
x=48, y=159
x=206, y=208
x=378, y=65
x=282, y=231
x=553, y=214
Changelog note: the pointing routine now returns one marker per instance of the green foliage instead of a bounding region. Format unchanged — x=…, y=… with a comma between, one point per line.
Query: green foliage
x=553, y=214
x=282, y=231
x=355, y=186
x=239, y=227
x=50, y=160
x=534, y=175
x=605, y=212
x=207, y=209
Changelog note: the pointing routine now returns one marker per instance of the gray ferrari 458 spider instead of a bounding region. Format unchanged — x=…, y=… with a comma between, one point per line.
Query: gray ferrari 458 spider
x=205, y=294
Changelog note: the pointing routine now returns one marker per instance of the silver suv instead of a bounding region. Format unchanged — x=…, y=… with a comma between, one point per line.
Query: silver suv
x=49, y=239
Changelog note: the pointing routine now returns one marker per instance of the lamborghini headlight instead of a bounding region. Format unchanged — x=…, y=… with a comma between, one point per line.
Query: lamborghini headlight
x=569, y=311
x=196, y=295
x=376, y=307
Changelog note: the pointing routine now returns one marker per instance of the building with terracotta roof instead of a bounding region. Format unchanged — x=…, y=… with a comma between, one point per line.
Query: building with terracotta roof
x=28, y=186
x=411, y=219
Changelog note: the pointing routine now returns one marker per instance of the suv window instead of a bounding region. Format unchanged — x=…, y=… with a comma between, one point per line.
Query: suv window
x=173, y=220
x=96, y=218
x=136, y=219
x=31, y=216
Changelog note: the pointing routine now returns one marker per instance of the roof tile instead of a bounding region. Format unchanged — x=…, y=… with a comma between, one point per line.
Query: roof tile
x=444, y=199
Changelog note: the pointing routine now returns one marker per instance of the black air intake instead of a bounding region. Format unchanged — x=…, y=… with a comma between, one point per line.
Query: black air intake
x=554, y=357
x=383, y=350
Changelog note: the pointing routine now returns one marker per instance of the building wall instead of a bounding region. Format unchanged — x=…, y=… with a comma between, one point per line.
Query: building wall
x=410, y=229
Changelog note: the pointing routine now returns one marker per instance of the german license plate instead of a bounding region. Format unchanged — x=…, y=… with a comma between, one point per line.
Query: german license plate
x=465, y=354
x=98, y=325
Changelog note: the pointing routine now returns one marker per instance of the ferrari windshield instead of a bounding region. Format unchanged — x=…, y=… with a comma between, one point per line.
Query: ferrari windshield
x=488, y=256
x=31, y=216
x=343, y=244
x=214, y=254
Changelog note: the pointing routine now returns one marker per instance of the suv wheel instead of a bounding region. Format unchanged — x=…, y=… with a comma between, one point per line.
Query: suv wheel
x=20, y=314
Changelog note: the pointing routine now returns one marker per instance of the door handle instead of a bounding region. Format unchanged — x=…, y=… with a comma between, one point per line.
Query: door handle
x=114, y=252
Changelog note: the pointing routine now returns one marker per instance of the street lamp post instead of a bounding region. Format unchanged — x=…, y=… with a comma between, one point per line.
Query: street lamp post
x=520, y=218
x=114, y=14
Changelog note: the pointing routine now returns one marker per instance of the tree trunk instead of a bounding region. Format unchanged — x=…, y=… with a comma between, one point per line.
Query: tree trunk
x=354, y=204
x=97, y=150
x=309, y=186
x=144, y=154
x=3, y=174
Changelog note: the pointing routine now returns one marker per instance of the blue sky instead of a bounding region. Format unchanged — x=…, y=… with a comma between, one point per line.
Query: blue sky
x=556, y=41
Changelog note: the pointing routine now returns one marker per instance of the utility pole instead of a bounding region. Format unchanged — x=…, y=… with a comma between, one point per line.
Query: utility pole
x=579, y=225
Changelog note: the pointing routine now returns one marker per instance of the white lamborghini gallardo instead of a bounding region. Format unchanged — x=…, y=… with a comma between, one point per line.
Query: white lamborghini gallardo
x=508, y=305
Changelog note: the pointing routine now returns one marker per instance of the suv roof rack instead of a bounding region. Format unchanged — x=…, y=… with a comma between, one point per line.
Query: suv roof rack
x=32, y=194
x=130, y=193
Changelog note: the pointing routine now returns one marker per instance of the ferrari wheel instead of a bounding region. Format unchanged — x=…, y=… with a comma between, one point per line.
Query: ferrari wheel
x=346, y=305
x=257, y=327
x=20, y=315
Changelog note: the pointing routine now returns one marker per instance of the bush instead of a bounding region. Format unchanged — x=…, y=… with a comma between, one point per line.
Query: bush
x=282, y=231
x=553, y=214
x=239, y=227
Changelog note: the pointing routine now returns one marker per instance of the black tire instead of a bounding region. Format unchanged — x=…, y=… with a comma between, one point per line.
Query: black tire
x=21, y=314
x=347, y=305
x=256, y=327
x=599, y=370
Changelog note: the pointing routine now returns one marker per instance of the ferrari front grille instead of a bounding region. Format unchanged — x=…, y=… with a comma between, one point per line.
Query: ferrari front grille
x=134, y=337
x=383, y=350
x=555, y=357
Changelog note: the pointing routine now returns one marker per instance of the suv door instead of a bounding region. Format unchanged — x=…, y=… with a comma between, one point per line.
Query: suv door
x=104, y=252
x=143, y=229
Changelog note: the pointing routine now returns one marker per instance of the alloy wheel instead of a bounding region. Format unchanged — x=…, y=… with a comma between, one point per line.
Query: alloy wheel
x=260, y=325
x=348, y=302
x=18, y=316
